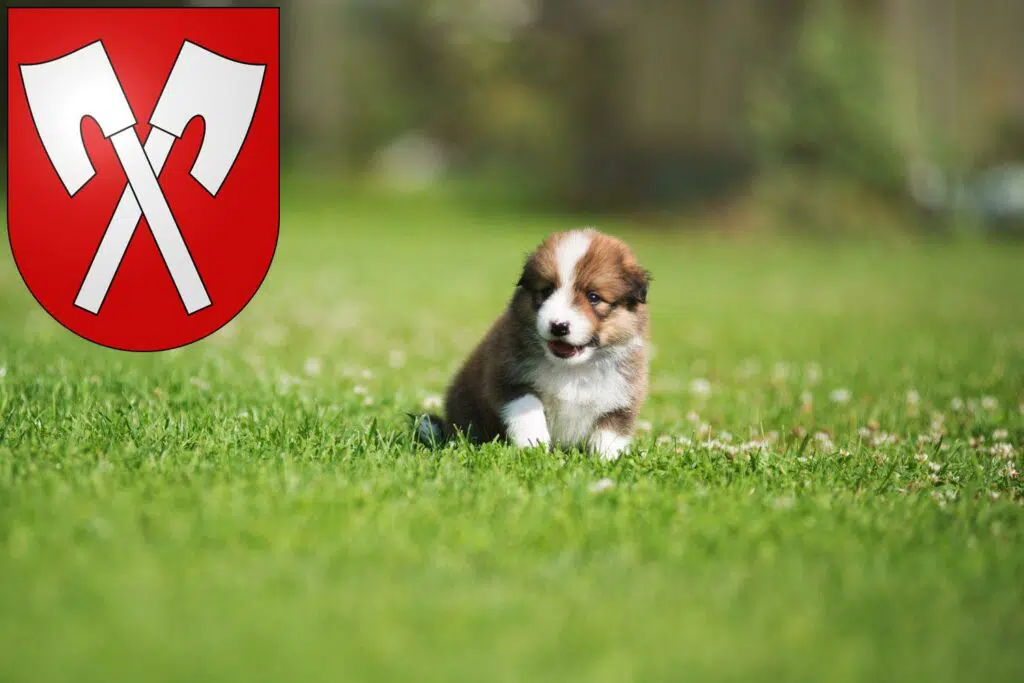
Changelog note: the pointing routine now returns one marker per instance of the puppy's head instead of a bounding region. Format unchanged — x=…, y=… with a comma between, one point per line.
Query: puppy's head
x=582, y=291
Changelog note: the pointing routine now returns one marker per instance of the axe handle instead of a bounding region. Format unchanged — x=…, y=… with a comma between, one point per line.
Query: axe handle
x=150, y=197
x=120, y=230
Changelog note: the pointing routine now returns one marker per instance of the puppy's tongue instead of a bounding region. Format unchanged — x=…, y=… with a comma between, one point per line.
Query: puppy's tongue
x=563, y=350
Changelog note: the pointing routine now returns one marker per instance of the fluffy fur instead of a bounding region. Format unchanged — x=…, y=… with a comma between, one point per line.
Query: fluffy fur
x=566, y=362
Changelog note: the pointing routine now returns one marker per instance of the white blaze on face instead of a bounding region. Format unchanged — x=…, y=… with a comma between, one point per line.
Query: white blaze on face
x=559, y=306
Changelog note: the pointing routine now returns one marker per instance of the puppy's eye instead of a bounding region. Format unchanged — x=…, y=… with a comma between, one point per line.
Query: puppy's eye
x=594, y=298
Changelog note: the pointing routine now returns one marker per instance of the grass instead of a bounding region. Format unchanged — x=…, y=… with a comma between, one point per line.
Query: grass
x=818, y=496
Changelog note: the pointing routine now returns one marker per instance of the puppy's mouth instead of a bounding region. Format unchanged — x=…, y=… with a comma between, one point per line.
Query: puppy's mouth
x=565, y=350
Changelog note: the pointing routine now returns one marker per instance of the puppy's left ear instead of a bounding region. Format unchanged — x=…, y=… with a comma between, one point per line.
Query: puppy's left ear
x=521, y=282
x=639, y=281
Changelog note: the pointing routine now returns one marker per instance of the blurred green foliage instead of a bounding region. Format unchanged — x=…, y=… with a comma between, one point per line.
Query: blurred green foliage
x=652, y=106
x=827, y=109
x=585, y=105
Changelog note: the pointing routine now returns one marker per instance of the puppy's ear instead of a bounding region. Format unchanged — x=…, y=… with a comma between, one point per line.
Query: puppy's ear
x=639, y=280
x=524, y=273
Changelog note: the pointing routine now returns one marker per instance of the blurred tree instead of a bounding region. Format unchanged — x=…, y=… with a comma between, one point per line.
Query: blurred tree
x=313, y=67
x=600, y=105
x=827, y=109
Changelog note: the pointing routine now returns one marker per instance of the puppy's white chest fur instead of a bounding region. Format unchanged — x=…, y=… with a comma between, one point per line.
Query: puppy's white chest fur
x=574, y=397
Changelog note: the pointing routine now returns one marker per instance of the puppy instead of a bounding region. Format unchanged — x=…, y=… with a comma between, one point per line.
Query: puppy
x=566, y=363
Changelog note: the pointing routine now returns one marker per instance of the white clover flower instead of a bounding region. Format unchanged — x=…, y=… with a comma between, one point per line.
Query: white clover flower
x=700, y=387
x=913, y=398
x=989, y=403
x=812, y=373
x=360, y=390
x=663, y=440
x=432, y=402
x=313, y=366
x=601, y=485
x=840, y=396
x=1000, y=435
x=1002, y=450
x=824, y=441
x=807, y=399
x=285, y=382
x=396, y=358
x=254, y=360
x=644, y=426
x=748, y=368
x=884, y=439
x=3, y=371
x=780, y=373
x=272, y=335
x=754, y=445
x=957, y=403
x=783, y=503
x=693, y=416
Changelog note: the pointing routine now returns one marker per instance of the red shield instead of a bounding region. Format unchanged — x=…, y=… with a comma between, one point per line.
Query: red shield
x=143, y=167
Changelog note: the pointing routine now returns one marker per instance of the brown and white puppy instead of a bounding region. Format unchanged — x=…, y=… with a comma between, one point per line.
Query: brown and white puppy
x=566, y=363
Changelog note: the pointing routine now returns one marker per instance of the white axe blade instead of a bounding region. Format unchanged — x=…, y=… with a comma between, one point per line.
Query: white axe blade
x=221, y=91
x=63, y=91
x=225, y=93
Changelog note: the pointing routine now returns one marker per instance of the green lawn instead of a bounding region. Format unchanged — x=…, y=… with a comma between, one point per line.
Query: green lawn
x=251, y=508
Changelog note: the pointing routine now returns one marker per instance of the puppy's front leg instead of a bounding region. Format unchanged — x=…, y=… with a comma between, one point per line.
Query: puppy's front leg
x=525, y=422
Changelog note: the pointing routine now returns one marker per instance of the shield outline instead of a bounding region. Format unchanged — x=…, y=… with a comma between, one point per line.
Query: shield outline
x=275, y=11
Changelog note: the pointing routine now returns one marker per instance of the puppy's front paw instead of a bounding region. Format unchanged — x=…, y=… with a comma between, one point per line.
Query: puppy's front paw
x=525, y=422
x=609, y=444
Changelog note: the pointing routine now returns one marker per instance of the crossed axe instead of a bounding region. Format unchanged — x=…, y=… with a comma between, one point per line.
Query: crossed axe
x=82, y=83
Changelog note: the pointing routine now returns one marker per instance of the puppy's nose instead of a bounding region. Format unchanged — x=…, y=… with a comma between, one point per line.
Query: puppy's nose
x=559, y=329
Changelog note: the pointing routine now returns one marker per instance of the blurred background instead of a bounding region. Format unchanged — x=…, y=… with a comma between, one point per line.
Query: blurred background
x=826, y=116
